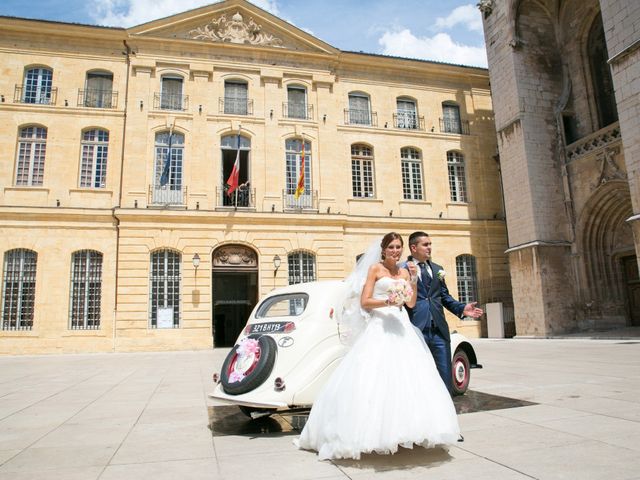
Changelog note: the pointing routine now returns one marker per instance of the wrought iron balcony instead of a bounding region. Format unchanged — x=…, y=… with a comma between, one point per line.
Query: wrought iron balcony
x=360, y=117
x=306, y=201
x=452, y=126
x=243, y=197
x=42, y=96
x=297, y=110
x=167, y=195
x=94, y=98
x=235, y=106
x=409, y=121
x=170, y=101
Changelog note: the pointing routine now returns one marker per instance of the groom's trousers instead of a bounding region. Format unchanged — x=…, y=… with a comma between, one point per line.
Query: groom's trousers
x=441, y=351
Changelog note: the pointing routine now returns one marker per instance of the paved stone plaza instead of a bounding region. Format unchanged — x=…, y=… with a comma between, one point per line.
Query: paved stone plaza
x=148, y=416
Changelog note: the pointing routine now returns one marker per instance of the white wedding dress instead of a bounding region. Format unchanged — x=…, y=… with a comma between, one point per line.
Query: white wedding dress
x=385, y=393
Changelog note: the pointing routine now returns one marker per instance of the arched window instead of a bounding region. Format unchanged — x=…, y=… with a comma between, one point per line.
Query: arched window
x=467, y=278
x=38, y=86
x=450, y=122
x=298, y=193
x=164, y=283
x=168, y=172
x=98, y=91
x=296, y=106
x=236, y=98
x=236, y=147
x=362, y=171
x=32, y=148
x=457, y=180
x=407, y=113
x=86, y=290
x=601, y=74
x=302, y=267
x=95, y=149
x=411, y=174
x=18, y=289
x=171, y=95
x=359, y=112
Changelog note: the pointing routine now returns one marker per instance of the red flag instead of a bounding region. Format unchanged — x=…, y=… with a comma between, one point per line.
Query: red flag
x=235, y=172
x=300, y=189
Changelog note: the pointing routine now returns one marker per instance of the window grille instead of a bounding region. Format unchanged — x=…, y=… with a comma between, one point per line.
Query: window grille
x=164, y=283
x=362, y=171
x=37, y=86
x=302, y=267
x=451, y=118
x=19, y=289
x=411, y=174
x=32, y=149
x=293, y=154
x=407, y=115
x=457, y=181
x=236, y=98
x=95, y=149
x=86, y=290
x=467, y=278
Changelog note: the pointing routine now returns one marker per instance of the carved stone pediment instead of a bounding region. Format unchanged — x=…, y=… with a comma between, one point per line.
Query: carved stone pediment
x=235, y=256
x=235, y=30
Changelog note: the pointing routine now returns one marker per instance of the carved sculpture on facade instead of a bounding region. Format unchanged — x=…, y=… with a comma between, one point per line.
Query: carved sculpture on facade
x=486, y=7
x=235, y=30
x=609, y=170
x=235, y=256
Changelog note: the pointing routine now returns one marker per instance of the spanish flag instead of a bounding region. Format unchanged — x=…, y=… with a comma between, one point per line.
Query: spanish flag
x=300, y=189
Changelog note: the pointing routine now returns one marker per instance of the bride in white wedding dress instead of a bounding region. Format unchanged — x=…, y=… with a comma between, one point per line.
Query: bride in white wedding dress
x=386, y=392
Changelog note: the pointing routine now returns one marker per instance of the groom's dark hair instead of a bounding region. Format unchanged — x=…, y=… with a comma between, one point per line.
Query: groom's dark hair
x=415, y=236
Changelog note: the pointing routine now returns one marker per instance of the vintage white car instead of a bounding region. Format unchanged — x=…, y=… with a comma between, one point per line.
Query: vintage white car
x=290, y=346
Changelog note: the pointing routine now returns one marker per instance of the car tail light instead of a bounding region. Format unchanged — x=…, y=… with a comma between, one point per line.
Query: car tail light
x=216, y=378
x=331, y=313
x=289, y=327
x=278, y=384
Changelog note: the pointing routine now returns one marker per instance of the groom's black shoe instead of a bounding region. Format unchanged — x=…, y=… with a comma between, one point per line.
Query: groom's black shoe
x=461, y=438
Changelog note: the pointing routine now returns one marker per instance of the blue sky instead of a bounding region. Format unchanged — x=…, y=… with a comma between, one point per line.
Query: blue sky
x=446, y=31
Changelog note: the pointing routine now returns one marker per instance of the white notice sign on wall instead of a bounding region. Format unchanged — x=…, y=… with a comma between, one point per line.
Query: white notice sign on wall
x=165, y=317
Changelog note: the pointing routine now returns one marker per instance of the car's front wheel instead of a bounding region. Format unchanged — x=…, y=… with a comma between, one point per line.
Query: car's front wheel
x=461, y=372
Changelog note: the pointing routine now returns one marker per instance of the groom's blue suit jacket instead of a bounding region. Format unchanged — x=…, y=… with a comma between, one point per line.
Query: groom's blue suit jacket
x=433, y=295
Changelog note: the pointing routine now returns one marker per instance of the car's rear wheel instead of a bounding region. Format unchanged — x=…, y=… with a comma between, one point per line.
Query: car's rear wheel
x=241, y=374
x=461, y=372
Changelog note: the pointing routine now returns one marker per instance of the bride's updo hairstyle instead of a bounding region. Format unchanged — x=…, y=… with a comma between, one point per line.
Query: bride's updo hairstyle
x=387, y=239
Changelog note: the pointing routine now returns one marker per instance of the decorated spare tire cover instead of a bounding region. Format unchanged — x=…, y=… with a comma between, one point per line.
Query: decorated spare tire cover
x=248, y=364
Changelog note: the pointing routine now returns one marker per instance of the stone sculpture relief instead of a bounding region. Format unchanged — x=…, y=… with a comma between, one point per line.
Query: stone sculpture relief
x=235, y=30
x=235, y=256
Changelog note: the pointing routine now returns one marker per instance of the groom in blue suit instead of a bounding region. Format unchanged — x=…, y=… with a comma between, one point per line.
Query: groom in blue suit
x=433, y=295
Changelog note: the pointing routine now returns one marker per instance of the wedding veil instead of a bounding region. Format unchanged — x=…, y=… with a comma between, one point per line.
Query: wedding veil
x=353, y=318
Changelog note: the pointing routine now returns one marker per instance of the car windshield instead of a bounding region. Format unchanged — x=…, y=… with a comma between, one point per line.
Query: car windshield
x=290, y=305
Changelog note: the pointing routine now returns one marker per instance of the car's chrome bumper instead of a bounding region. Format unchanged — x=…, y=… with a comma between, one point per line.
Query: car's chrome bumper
x=243, y=400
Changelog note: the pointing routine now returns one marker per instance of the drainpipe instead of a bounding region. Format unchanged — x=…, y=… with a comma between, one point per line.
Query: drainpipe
x=116, y=220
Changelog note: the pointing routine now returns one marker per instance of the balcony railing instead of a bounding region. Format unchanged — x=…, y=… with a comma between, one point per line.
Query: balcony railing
x=408, y=121
x=306, y=201
x=360, y=117
x=41, y=96
x=94, y=98
x=167, y=195
x=242, y=197
x=452, y=126
x=170, y=101
x=297, y=110
x=235, y=106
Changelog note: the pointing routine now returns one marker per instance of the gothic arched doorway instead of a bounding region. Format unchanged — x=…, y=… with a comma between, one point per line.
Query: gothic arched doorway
x=234, y=291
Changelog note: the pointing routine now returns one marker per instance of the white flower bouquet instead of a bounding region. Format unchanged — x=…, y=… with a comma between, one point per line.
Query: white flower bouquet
x=399, y=293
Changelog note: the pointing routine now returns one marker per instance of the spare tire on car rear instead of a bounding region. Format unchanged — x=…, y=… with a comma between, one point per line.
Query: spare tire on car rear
x=244, y=371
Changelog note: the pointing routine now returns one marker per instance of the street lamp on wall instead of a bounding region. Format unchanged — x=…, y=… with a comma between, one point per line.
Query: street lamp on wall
x=196, y=262
x=276, y=264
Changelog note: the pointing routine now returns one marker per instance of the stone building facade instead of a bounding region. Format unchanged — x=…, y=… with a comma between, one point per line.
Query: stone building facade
x=565, y=77
x=117, y=229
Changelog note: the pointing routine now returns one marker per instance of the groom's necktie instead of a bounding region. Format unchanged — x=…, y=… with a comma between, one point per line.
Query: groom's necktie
x=424, y=273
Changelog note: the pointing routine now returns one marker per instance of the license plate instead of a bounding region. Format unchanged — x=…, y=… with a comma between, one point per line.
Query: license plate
x=270, y=327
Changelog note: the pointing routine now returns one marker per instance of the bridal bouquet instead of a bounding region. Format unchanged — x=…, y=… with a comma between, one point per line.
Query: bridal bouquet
x=399, y=293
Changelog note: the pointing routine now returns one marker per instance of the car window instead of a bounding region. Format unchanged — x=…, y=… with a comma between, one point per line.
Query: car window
x=290, y=305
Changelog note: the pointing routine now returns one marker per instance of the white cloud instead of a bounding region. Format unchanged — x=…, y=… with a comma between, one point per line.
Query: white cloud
x=126, y=13
x=467, y=15
x=440, y=48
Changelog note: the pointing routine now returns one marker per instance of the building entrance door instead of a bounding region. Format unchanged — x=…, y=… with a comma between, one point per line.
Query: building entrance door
x=234, y=291
x=630, y=265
